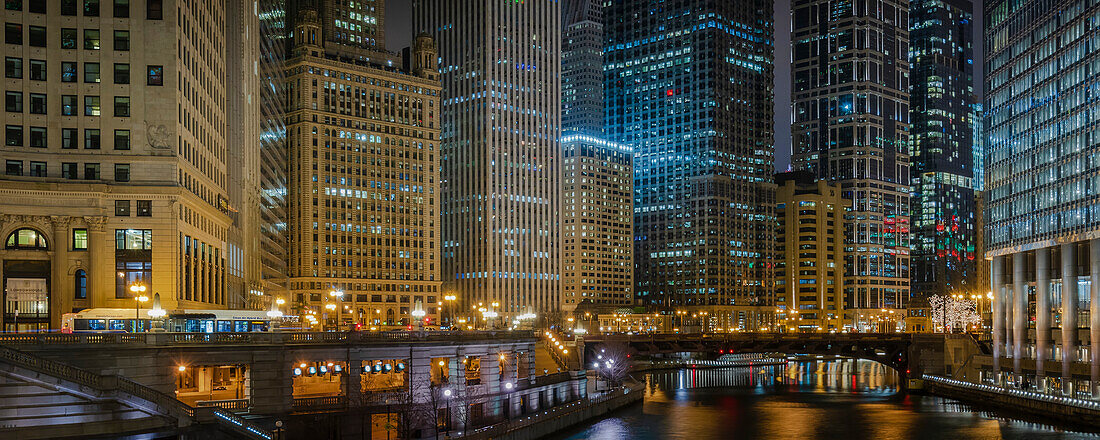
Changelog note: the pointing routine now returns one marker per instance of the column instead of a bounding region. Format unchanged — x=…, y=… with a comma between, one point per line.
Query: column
x=1019, y=312
x=1042, y=315
x=1069, y=314
x=1094, y=316
x=101, y=277
x=59, y=270
x=997, y=273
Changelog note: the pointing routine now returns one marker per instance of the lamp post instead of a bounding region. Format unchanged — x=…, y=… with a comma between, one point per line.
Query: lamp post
x=448, y=302
x=138, y=289
x=336, y=294
x=331, y=307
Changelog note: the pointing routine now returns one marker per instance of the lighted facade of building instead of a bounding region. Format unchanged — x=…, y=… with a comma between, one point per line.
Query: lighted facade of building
x=272, y=240
x=363, y=142
x=501, y=165
x=116, y=152
x=1042, y=196
x=597, y=175
x=809, y=286
x=688, y=89
x=597, y=238
x=850, y=105
x=941, y=131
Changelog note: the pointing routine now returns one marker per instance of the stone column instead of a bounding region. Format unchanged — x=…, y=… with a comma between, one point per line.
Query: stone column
x=997, y=273
x=1069, y=313
x=59, y=301
x=101, y=278
x=1094, y=316
x=1042, y=315
x=1019, y=312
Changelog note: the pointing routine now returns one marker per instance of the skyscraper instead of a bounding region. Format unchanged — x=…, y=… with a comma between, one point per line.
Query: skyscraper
x=501, y=165
x=1042, y=196
x=688, y=89
x=116, y=152
x=363, y=142
x=242, y=89
x=850, y=105
x=941, y=141
x=597, y=175
x=273, y=150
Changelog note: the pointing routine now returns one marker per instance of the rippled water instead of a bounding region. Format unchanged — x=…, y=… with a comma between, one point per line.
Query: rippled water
x=805, y=400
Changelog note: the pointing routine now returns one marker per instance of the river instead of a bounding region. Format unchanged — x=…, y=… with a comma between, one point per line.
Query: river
x=846, y=399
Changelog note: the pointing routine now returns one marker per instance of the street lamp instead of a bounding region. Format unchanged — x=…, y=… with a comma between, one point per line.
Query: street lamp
x=448, y=302
x=336, y=294
x=138, y=289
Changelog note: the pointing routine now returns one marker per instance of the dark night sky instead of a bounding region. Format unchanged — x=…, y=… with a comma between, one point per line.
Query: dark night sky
x=399, y=34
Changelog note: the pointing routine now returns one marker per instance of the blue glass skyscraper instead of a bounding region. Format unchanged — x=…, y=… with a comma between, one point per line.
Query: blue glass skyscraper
x=688, y=88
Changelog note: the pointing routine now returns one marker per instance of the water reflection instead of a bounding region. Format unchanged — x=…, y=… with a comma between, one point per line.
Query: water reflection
x=804, y=400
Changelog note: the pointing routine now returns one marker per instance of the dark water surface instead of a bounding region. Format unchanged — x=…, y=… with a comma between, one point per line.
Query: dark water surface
x=845, y=400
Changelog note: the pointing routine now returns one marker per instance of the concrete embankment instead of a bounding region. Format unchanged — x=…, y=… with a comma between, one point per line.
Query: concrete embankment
x=1046, y=408
x=559, y=418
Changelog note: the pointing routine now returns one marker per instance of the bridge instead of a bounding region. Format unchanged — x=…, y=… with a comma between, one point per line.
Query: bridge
x=908, y=353
x=239, y=384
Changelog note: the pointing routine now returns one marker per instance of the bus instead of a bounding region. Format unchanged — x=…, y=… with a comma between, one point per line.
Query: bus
x=192, y=321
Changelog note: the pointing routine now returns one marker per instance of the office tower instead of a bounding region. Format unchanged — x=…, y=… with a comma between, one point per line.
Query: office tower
x=850, y=105
x=941, y=143
x=501, y=166
x=273, y=150
x=363, y=142
x=242, y=86
x=597, y=175
x=116, y=153
x=809, y=272
x=688, y=89
x=1042, y=193
x=582, y=67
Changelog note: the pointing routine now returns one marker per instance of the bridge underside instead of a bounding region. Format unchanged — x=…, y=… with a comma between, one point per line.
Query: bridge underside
x=898, y=351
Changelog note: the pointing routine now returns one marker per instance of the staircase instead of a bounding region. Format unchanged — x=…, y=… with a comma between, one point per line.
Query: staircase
x=44, y=399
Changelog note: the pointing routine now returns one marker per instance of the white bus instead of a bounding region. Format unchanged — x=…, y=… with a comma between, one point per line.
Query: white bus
x=192, y=321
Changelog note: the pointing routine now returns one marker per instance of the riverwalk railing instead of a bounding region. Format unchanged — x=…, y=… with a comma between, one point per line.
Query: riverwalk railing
x=258, y=338
x=1092, y=405
x=614, y=397
x=183, y=413
x=743, y=360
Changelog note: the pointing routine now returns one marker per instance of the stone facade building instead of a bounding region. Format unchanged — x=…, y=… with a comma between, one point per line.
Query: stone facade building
x=116, y=157
x=363, y=141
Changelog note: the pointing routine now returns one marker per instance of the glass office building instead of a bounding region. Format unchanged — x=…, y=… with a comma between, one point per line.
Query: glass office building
x=1042, y=156
x=688, y=88
x=850, y=121
x=941, y=141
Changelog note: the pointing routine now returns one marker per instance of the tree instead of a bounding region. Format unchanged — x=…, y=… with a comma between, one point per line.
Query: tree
x=613, y=362
x=952, y=313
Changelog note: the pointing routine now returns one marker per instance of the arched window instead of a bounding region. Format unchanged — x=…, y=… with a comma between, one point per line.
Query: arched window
x=81, y=281
x=26, y=238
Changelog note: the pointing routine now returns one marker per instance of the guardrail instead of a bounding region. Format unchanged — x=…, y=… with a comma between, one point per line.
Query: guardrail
x=167, y=404
x=502, y=428
x=320, y=403
x=1092, y=405
x=235, y=405
x=258, y=338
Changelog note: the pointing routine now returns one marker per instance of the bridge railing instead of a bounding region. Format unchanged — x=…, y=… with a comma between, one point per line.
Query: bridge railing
x=257, y=338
